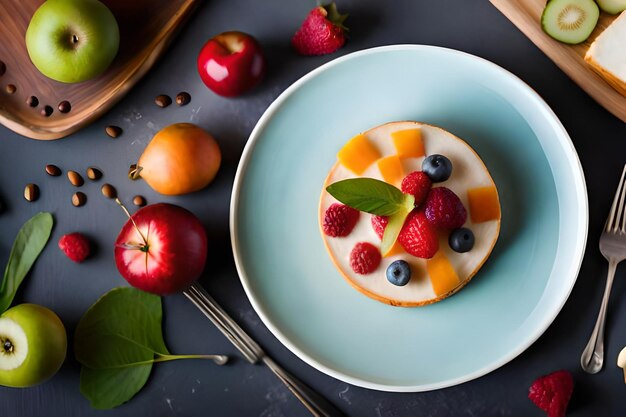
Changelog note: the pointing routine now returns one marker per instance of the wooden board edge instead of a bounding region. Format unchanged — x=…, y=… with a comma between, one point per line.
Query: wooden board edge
x=598, y=89
x=157, y=48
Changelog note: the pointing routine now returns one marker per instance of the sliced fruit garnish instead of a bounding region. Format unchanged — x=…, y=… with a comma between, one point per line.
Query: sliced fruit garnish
x=570, y=21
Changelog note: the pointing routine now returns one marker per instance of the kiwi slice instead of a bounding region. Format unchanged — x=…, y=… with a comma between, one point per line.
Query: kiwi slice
x=612, y=6
x=570, y=21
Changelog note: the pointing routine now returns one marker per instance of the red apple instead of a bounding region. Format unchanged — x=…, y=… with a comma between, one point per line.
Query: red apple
x=161, y=249
x=231, y=63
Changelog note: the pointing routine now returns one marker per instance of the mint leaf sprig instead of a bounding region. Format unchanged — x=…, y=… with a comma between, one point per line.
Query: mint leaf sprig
x=376, y=197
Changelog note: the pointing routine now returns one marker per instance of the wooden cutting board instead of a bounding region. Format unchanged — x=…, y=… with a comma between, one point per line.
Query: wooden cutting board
x=526, y=15
x=146, y=28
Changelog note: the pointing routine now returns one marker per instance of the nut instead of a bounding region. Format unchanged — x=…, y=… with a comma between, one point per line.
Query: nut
x=109, y=191
x=79, y=199
x=32, y=101
x=183, y=98
x=94, y=174
x=53, y=170
x=31, y=192
x=75, y=178
x=113, y=131
x=64, y=106
x=46, y=111
x=139, y=201
x=163, y=100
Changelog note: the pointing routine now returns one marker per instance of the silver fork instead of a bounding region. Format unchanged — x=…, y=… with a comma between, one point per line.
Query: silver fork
x=613, y=248
x=315, y=403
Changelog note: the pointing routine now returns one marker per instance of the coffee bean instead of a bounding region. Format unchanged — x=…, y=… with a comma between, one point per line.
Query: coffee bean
x=163, y=100
x=183, y=98
x=113, y=131
x=32, y=101
x=31, y=192
x=139, y=201
x=53, y=170
x=11, y=88
x=79, y=199
x=46, y=111
x=75, y=178
x=65, y=106
x=109, y=191
x=94, y=173
x=3, y=68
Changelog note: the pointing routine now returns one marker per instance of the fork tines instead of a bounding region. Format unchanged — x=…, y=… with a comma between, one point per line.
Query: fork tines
x=616, y=222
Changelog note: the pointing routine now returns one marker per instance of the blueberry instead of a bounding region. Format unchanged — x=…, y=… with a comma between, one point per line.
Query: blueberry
x=461, y=240
x=399, y=273
x=437, y=167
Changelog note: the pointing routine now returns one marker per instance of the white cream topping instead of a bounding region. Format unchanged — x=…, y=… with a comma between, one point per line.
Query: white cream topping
x=468, y=172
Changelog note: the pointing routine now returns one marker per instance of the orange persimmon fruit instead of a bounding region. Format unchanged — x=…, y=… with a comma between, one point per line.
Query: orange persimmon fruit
x=180, y=159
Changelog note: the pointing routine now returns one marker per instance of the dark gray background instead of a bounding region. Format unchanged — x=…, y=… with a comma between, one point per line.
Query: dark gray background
x=194, y=388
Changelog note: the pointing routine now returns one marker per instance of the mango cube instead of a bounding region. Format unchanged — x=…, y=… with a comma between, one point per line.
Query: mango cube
x=358, y=154
x=408, y=143
x=443, y=277
x=391, y=169
x=483, y=204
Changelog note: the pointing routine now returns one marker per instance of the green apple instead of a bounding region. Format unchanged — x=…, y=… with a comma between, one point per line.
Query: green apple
x=72, y=40
x=33, y=344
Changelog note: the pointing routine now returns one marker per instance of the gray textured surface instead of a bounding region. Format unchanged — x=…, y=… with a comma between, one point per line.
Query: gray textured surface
x=191, y=388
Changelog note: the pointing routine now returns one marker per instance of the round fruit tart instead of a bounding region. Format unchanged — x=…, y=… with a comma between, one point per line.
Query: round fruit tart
x=409, y=213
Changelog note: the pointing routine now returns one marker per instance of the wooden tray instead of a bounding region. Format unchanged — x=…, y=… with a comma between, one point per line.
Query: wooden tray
x=146, y=28
x=526, y=15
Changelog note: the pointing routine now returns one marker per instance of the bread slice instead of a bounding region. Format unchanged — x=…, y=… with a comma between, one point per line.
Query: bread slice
x=607, y=54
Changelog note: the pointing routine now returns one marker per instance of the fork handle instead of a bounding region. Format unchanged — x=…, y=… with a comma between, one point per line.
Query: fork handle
x=593, y=356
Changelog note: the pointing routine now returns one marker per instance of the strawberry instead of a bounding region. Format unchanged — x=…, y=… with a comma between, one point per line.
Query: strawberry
x=417, y=184
x=379, y=223
x=418, y=237
x=444, y=209
x=552, y=392
x=75, y=246
x=364, y=258
x=339, y=220
x=322, y=31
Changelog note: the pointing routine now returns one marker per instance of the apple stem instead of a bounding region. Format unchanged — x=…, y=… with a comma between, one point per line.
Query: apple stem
x=218, y=359
x=144, y=247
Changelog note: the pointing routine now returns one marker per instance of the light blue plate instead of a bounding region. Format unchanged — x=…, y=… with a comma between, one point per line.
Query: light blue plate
x=290, y=279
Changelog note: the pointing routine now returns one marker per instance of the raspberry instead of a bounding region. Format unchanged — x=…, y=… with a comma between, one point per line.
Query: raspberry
x=339, y=220
x=444, y=209
x=75, y=246
x=364, y=258
x=379, y=223
x=552, y=392
x=418, y=237
x=418, y=184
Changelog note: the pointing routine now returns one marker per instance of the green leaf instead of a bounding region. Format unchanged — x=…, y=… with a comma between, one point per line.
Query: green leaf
x=395, y=223
x=122, y=328
x=102, y=386
x=117, y=340
x=369, y=195
x=30, y=241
